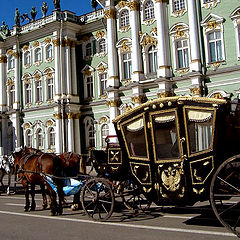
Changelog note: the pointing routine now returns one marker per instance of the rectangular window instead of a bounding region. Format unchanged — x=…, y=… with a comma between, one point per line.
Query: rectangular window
x=89, y=87
x=215, y=46
x=127, y=66
x=178, y=5
x=38, y=91
x=182, y=54
x=103, y=82
x=50, y=89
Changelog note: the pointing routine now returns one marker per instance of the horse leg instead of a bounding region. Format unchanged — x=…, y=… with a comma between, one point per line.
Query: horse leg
x=33, y=205
x=9, y=183
x=44, y=205
x=26, y=190
x=53, y=205
x=76, y=202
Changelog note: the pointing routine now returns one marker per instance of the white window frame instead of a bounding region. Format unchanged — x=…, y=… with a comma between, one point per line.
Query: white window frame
x=155, y=60
x=88, y=124
x=182, y=48
x=27, y=90
x=11, y=62
x=38, y=146
x=235, y=16
x=47, y=57
x=88, y=71
x=180, y=12
x=125, y=27
x=49, y=86
x=104, y=134
x=151, y=11
x=102, y=49
x=36, y=60
x=11, y=96
x=38, y=91
x=49, y=133
x=210, y=24
x=27, y=58
x=28, y=138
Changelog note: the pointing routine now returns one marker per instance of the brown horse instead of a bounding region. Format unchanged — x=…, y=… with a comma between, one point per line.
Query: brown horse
x=73, y=165
x=29, y=165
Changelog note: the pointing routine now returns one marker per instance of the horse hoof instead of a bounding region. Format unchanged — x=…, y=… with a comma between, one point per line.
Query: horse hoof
x=75, y=207
x=52, y=214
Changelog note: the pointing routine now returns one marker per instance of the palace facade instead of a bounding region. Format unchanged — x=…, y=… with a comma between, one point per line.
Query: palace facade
x=64, y=78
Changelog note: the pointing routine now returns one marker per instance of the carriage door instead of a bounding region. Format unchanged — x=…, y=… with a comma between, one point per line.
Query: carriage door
x=167, y=153
x=199, y=129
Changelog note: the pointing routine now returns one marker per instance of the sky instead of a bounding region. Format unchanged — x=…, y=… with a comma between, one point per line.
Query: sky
x=7, y=9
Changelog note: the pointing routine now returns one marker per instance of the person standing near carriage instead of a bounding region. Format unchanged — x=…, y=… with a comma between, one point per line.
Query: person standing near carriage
x=57, y=5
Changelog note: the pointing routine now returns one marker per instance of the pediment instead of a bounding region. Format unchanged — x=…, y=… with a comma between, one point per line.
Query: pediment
x=212, y=18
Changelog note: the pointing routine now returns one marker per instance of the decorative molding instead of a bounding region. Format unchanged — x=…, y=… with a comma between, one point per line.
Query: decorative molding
x=36, y=44
x=100, y=34
x=134, y=6
x=138, y=99
x=57, y=116
x=210, y=5
x=109, y=14
x=165, y=94
x=121, y=4
x=56, y=42
x=196, y=91
x=125, y=47
x=3, y=59
x=149, y=40
x=112, y=103
x=25, y=47
x=47, y=40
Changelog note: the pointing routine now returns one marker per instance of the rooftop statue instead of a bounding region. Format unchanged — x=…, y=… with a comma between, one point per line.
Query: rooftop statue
x=24, y=17
x=17, y=17
x=33, y=13
x=4, y=29
x=57, y=5
x=44, y=9
x=94, y=4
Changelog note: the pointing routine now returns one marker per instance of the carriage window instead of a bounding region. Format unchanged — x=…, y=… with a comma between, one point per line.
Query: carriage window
x=165, y=136
x=134, y=134
x=200, y=130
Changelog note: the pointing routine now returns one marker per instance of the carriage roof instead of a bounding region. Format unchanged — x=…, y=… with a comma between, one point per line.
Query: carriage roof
x=168, y=101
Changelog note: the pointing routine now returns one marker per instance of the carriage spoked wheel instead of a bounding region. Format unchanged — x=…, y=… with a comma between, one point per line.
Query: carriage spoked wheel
x=133, y=197
x=225, y=194
x=97, y=199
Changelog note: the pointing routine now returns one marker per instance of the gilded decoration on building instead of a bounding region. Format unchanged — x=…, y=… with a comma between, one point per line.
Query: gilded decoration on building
x=125, y=47
x=67, y=42
x=70, y=115
x=10, y=82
x=25, y=47
x=196, y=91
x=102, y=69
x=37, y=77
x=56, y=42
x=212, y=25
x=100, y=34
x=210, y=4
x=149, y=40
x=121, y=4
x=138, y=99
x=112, y=103
x=134, y=6
x=57, y=115
x=27, y=80
x=85, y=38
x=3, y=59
x=165, y=94
x=47, y=40
x=103, y=120
x=109, y=14
x=36, y=44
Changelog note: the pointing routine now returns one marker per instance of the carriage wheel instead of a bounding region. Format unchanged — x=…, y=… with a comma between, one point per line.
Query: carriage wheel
x=225, y=194
x=97, y=199
x=133, y=198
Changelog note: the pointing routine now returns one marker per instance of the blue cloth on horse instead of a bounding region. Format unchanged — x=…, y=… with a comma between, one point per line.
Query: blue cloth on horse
x=73, y=186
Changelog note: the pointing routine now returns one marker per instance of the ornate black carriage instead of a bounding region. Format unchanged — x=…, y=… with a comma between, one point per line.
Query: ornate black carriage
x=180, y=150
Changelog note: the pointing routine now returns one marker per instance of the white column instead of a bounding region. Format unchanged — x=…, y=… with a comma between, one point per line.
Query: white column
x=56, y=43
x=16, y=78
x=163, y=38
x=59, y=136
x=70, y=132
x=74, y=69
x=77, y=134
x=195, y=64
x=111, y=45
x=3, y=99
x=5, y=134
x=136, y=52
x=68, y=67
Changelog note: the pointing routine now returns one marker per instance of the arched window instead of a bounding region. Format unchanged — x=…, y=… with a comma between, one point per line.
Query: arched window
x=102, y=46
x=28, y=137
x=51, y=138
x=178, y=5
x=152, y=57
x=124, y=18
x=27, y=58
x=28, y=93
x=49, y=51
x=103, y=83
x=39, y=96
x=104, y=134
x=38, y=55
x=88, y=50
x=90, y=133
x=39, y=139
x=11, y=63
x=149, y=10
x=50, y=89
x=11, y=96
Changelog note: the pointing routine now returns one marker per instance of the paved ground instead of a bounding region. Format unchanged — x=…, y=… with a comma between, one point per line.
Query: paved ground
x=167, y=223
